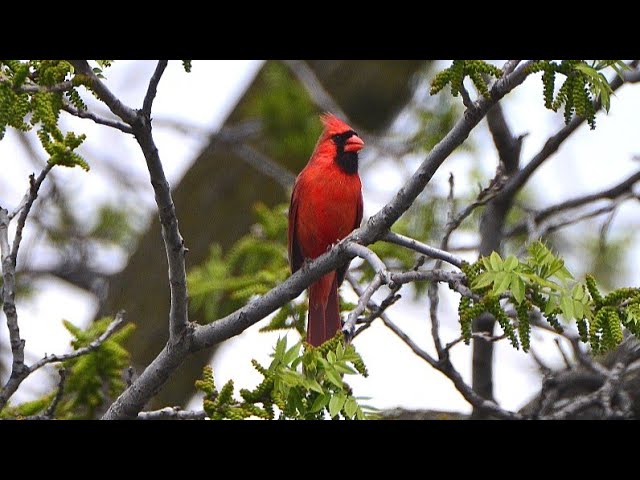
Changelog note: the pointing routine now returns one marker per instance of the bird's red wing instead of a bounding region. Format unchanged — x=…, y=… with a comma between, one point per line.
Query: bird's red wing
x=295, y=255
x=342, y=271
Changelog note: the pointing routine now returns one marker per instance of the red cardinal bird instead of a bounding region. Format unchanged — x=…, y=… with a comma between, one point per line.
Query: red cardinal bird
x=326, y=205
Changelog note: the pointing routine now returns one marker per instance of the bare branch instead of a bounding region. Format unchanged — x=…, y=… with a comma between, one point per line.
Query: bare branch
x=611, y=193
x=96, y=118
x=173, y=413
x=51, y=409
x=603, y=396
x=8, y=257
x=153, y=87
x=31, y=196
x=445, y=366
x=114, y=326
x=174, y=244
x=127, y=114
x=481, y=335
x=379, y=279
x=509, y=66
x=419, y=247
x=466, y=99
x=33, y=88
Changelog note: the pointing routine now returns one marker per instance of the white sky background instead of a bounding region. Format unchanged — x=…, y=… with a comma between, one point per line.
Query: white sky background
x=587, y=162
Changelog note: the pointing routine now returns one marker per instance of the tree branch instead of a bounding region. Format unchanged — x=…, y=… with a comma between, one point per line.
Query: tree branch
x=611, y=193
x=70, y=109
x=153, y=88
x=9, y=257
x=127, y=114
x=419, y=247
x=173, y=413
x=115, y=325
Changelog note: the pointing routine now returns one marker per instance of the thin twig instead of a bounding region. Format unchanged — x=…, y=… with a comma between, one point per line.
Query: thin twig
x=563, y=354
x=115, y=325
x=24, y=212
x=419, y=247
x=123, y=127
x=380, y=278
x=51, y=409
x=480, y=335
x=445, y=366
x=611, y=193
x=152, y=89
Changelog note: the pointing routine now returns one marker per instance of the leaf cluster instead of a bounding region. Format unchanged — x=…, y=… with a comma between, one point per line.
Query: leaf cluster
x=302, y=382
x=583, y=83
x=454, y=76
x=541, y=281
x=40, y=105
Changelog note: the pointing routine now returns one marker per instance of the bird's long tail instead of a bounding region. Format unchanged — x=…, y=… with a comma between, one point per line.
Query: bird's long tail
x=324, y=310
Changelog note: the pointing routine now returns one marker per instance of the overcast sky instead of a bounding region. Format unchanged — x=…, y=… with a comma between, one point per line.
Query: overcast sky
x=589, y=161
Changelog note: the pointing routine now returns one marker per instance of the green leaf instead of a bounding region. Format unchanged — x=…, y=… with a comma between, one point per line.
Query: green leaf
x=350, y=407
x=312, y=384
x=503, y=280
x=537, y=280
x=486, y=263
x=342, y=367
x=319, y=403
x=291, y=354
x=578, y=309
x=483, y=280
x=336, y=403
x=331, y=357
x=333, y=377
x=517, y=289
x=550, y=306
x=566, y=305
x=496, y=261
x=281, y=346
x=289, y=378
x=510, y=263
x=578, y=292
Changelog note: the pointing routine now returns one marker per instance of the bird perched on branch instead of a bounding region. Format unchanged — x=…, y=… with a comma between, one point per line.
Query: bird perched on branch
x=326, y=205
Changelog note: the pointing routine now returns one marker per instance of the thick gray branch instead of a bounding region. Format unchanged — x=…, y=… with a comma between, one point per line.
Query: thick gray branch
x=173, y=413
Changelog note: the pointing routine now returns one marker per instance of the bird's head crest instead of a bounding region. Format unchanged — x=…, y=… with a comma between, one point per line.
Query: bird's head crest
x=333, y=125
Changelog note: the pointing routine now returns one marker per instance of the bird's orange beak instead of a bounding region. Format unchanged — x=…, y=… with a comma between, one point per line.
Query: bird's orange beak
x=354, y=143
